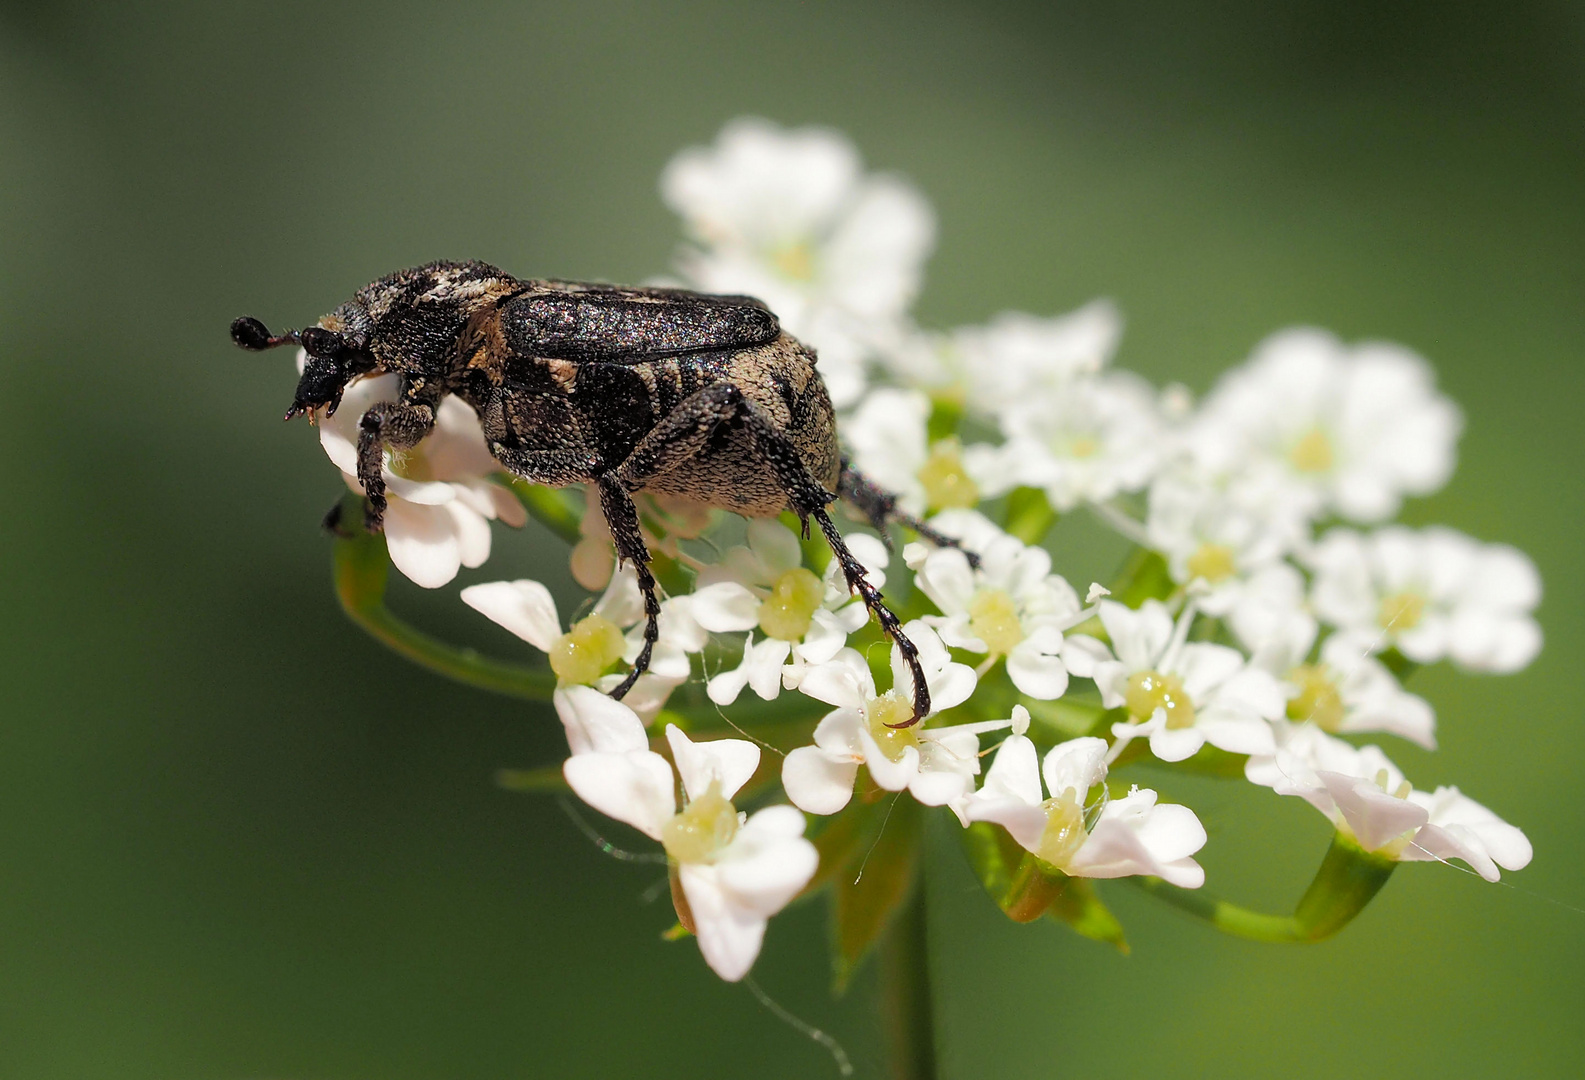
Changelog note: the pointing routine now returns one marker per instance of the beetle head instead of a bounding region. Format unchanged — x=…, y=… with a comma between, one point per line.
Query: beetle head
x=335, y=356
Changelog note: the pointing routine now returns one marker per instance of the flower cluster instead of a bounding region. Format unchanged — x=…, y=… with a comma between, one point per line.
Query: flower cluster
x=1267, y=614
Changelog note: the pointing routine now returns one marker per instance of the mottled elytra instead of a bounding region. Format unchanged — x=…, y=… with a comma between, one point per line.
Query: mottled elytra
x=627, y=389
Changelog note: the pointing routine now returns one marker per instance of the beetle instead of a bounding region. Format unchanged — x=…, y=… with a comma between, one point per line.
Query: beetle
x=625, y=389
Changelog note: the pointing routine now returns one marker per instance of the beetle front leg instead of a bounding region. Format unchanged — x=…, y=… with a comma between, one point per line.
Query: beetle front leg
x=621, y=517
x=400, y=425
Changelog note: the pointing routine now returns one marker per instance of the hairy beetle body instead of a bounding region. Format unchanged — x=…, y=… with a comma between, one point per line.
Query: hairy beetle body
x=625, y=389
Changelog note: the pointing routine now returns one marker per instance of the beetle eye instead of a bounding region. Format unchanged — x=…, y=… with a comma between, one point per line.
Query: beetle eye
x=321, y=342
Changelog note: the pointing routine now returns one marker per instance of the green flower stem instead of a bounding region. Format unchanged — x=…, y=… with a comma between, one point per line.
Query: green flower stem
x=907, y=1011
x=1226, y=917
x=1348, y=879
x=361, y=567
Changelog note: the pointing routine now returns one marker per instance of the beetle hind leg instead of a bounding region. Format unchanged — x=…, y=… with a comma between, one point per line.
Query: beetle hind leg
x=879, y=508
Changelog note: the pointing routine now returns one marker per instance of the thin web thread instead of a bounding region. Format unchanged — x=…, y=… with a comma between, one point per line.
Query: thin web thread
x=605, y=846
x=803, y=1027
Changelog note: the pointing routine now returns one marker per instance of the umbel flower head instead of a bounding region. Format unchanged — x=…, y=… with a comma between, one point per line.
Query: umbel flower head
x=1250, y=636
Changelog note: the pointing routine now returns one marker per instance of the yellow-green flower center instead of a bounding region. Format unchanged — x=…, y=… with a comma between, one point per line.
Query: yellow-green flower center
x=705, y=826
x=791, y=605
x=946, y=482
x=584, y=653
x=1083, y=446
x=795, y=260
x=1213, y=562
x=1401, y=611
x=1064, y=833
x=993, y=617
x=1313, y=452
x=1318, y=699
x=890, y=709
x=412, y=464
x=1151, y=690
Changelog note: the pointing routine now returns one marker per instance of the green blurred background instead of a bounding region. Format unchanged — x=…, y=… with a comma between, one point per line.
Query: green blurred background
x=239, y=840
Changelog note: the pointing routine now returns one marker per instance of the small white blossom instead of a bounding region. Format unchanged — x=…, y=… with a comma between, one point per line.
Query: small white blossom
x=789, y=216
x=613, y=630
x=1012, y=358
x=1011, y=606
x=1121, y=837
x=440, y=501
x=1346, y=690
x=736, y=871
x=889, y=440
x=1430, y=593
x=1182, y=694
x=765, y=586
x=1099, y=437
x=935, y=765
x=1367, y=798
x=1346, y=429
x=1208, y=533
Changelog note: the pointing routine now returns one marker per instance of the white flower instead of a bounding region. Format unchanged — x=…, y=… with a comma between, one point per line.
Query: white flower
x=889, y=441
x=1458, y=827
x=1011, y=606
x=1120, y=837
x=439, y=500
x=1430, y=593
x=1367, y=798
x=1210, y=534
x=584, y=653
x=1182, y=694
x=1013, y=357
x=1347, y=690
x=765, y=586
x=1347, y=429
x=790, y=216
x=1097, y=437
x=936, y=765
x=736, y=871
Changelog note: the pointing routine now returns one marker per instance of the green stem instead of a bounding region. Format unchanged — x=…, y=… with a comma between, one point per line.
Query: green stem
x=906, y=1007
x=361, y=567
x=1347, y=880
x=1226, y=917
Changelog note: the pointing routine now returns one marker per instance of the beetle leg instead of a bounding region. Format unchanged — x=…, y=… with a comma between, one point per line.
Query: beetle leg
x=879, y=507
x=621, y=516
x=853, y=571
x=400, y=425
x=681, y=435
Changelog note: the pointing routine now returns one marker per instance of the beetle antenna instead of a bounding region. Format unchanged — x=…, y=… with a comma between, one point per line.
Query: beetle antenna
x=254, y=336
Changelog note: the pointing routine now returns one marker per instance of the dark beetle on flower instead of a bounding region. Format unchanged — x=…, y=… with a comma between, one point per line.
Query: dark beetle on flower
x=628, y=389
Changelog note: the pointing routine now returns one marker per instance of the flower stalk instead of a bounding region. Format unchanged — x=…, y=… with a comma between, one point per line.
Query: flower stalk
x=361, y=568
x=907, y=1005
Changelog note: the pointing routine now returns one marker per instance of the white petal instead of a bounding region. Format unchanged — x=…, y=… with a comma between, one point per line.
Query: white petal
x=729, y=937
x=635, y=788
x=725, y=607
x=596, y=723
x=729, y=762
x=422, y=541
x=1078, y=764
x=1015, y=772
x=817, y=782
x=1042, y=677
x=524, y=607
